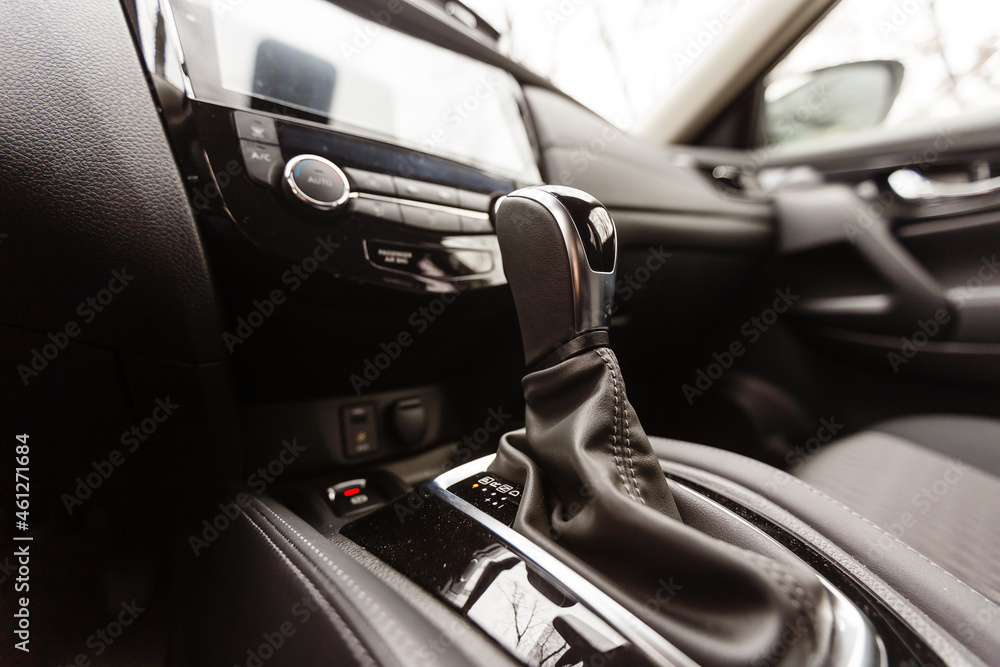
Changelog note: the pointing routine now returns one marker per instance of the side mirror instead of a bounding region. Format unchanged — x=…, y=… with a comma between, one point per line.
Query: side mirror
x=832, y=100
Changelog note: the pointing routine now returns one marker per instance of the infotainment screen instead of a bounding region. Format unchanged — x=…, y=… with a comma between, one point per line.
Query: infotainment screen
x=361, y=76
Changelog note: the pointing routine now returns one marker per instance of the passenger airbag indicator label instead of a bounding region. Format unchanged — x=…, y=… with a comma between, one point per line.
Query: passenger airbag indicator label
x=394, y=257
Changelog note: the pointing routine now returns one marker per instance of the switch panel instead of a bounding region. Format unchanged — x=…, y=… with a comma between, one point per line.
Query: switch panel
x=360, y=430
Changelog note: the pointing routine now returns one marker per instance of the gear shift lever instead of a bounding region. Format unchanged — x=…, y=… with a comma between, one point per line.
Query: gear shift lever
x=594, y=493
x=560, y=251
x=560, y=254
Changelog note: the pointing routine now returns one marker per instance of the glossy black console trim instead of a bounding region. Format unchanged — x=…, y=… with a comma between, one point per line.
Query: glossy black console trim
x=903, y=646
x=436, y=537
x=437, y=547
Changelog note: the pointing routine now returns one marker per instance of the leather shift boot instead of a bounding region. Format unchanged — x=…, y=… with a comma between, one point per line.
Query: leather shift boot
x=596, y=497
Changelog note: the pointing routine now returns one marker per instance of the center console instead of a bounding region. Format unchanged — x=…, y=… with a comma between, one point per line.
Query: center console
x=328, y=138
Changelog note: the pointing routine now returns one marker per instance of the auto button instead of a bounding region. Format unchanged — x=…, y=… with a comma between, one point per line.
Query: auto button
x=316, y=182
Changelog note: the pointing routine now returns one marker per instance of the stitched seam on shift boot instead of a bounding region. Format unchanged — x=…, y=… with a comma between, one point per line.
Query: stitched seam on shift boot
x=614, y=435
x=351, y=639
x=628, y=441
x=361, y=595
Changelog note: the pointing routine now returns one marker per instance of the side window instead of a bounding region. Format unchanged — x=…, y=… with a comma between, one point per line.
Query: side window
x=886, y=63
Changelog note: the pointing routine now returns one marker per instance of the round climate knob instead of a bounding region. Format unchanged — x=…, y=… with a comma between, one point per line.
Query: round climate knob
x=316, y=182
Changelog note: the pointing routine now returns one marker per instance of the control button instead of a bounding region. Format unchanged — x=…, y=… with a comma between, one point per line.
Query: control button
x=476, y=225
x=354, y=496
x=360, y=430
x=429, y=192
x=433, y=262
x=474, y=201
x=431, y=220
x=263, y=162
x=369, y=181
x=316, y=181
x=409, y=416
x=347, y=489
x=382, y=210
x=255, y=128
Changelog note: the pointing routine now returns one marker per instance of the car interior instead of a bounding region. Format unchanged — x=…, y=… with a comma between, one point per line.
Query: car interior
x=333, y=334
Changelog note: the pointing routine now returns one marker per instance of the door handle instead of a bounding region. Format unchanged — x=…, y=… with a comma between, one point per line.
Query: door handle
x=915, y=187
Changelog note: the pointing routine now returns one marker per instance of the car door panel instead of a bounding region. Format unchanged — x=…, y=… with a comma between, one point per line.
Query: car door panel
x=890, y=276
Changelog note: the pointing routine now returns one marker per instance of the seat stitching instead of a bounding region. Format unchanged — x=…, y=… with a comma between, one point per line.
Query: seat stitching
x=845, y=507
x=396, y=631
x=628, y=442
x=614, y=434
x=354, y=643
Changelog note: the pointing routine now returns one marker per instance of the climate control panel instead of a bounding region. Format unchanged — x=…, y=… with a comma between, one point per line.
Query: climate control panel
x=401, y=219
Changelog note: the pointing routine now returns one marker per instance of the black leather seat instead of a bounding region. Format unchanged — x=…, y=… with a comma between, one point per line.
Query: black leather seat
x=912, y=502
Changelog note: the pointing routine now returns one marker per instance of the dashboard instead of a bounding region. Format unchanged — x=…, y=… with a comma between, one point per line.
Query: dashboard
x=307, y=125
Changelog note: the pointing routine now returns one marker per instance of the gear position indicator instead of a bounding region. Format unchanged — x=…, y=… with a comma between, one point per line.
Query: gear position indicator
x=491, y=494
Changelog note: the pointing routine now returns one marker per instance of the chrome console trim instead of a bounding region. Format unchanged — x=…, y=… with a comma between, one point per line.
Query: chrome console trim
x=853, y=642
x=657, y=649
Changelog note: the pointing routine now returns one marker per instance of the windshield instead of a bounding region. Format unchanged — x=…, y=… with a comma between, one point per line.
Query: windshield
x=618, y=57
x=622, y=57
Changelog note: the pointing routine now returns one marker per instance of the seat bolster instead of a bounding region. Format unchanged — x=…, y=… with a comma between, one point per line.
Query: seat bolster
x=918, y=588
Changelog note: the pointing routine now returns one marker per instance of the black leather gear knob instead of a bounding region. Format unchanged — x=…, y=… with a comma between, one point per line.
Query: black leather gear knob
x=559, y=249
